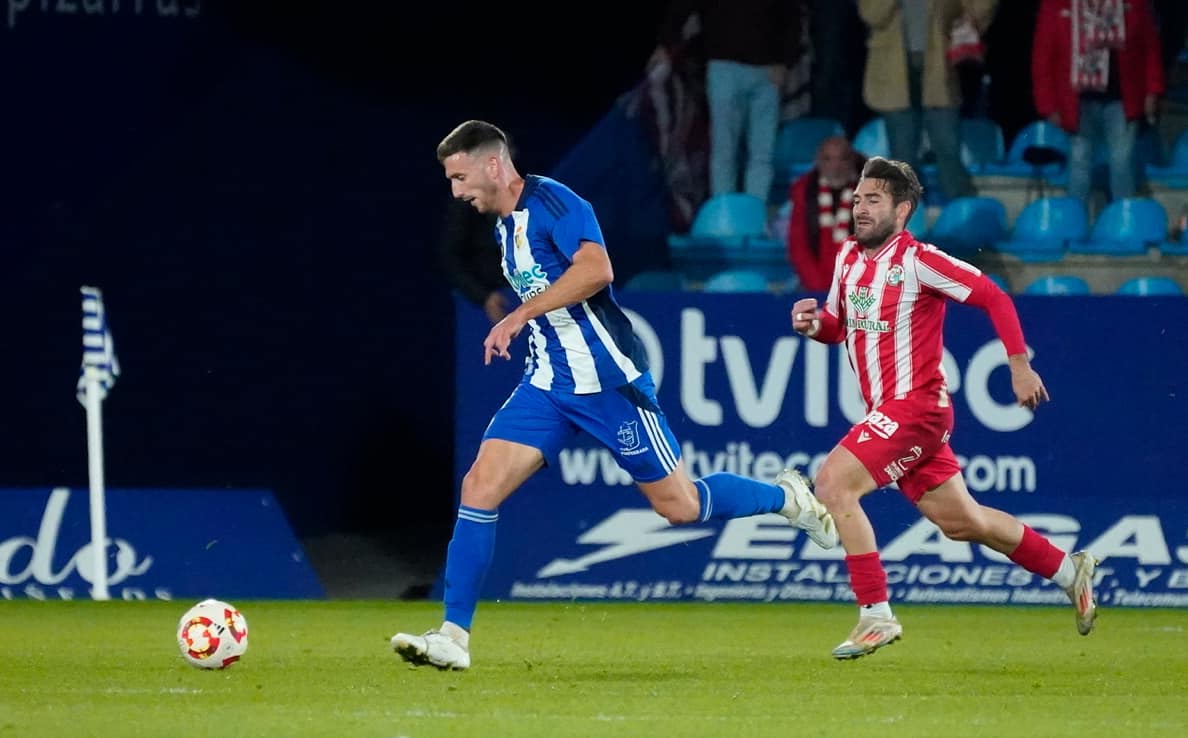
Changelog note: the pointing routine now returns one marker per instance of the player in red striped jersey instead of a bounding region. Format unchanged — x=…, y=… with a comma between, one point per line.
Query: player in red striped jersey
x=887, y=303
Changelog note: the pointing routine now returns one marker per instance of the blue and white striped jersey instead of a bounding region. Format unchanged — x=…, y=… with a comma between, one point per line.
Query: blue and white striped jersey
x=582, y=348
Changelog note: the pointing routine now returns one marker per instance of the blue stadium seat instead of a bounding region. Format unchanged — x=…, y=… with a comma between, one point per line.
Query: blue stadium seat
x=1125, y=227
x=982, y=144
x=1174, y=173
x=871, y=139
x=969, y=224
x=1045, y=227
x=917, y=225
x=656, y=280
x=1060, y=284
x=729, y=230
x=1153, y=285
x=796, y=148
x=729, y=219
x=738, y=280
x=1036, y=136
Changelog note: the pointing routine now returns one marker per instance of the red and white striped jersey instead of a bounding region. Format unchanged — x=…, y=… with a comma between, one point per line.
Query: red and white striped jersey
x=890, y=310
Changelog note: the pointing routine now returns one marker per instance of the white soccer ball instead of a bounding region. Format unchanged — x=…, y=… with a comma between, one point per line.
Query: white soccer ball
x=212, y=635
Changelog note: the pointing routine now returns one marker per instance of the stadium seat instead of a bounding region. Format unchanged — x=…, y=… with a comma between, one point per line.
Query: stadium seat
x=917, y=225
x=982, y=144
x=1039, y=149
x=871, y=139
x=796, y=148
x=1173, y=173
x=969, y=224
x=1045, y=227
x=728, y=231
x=1145, y=286
x=729, y=218
x=1125, y=227
x=1061, y=284
x=738, y=280
x=656, y=280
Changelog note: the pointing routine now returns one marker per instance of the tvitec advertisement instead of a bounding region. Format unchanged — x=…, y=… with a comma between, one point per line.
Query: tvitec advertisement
x=1097, y=467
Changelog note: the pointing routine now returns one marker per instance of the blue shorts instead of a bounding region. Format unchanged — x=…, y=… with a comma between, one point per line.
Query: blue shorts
x=627, y=421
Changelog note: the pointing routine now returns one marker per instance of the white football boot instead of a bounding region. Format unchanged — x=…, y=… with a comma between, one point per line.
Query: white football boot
x=1081, y=592
x=805, y=511
x=871, y=634
x=434, y=648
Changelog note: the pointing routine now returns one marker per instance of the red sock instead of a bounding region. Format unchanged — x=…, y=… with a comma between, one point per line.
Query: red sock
x=1036, y=554
x=867, y=578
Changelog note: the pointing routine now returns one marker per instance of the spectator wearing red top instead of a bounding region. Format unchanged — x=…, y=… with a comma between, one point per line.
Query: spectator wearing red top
x=1097, y=71
x=821, y=199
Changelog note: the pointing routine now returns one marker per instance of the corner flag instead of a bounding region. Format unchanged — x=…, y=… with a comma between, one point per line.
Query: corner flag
x=98, y=359
x=96, y=376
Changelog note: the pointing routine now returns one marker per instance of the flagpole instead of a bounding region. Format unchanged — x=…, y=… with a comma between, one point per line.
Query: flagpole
x=97, y=375
x=99, y=590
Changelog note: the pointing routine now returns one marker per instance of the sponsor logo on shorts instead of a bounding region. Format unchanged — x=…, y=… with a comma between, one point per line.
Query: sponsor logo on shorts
x=898, y=468
x=863, y=437
x=882, y=426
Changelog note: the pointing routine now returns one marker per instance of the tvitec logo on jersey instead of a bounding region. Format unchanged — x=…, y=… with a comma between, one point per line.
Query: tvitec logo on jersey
x=36, y=567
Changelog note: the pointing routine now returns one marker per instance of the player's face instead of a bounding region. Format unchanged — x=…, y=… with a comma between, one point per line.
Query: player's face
x=876, y=218
x=471, y=179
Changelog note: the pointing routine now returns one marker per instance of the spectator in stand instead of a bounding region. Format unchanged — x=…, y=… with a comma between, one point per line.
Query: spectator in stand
x=838, y=41
x=749, y=45
x=1098, y=72
x=821, y=201
x=911, y=81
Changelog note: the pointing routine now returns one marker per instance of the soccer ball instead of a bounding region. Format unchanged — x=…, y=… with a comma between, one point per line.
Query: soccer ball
x=212, y=635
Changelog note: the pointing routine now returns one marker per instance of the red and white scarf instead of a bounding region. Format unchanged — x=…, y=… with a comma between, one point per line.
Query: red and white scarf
x=834, y=218
x=1097, y=27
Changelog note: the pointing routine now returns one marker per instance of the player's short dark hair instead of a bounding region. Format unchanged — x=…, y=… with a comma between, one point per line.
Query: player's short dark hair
x=471, y=136
x=899, y=180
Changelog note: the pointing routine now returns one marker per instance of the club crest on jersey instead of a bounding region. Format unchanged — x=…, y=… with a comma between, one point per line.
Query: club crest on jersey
x=895, y=276
x=521, y=240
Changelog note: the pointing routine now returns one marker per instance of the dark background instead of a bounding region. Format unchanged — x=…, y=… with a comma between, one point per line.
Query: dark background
x=255, y=191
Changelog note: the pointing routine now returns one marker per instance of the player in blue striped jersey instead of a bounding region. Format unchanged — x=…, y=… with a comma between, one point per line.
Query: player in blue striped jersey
x=586, y=370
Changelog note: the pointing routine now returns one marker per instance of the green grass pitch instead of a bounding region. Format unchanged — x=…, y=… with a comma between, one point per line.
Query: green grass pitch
x=556, y=670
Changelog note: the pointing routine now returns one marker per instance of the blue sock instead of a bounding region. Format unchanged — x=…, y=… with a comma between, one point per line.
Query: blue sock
x=725, y=496
x=467, y=560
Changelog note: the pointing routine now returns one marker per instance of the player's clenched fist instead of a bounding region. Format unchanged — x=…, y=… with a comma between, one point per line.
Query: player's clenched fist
x=804, y=317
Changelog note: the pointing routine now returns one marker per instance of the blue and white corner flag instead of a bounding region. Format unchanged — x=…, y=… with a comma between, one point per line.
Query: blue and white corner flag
x=98, y=359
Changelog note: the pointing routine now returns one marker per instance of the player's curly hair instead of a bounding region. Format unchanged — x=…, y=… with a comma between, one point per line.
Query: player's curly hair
x=471, y=136
x=899, y=180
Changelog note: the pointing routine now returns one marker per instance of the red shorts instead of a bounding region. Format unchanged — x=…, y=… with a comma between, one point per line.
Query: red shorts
x=907, y=442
